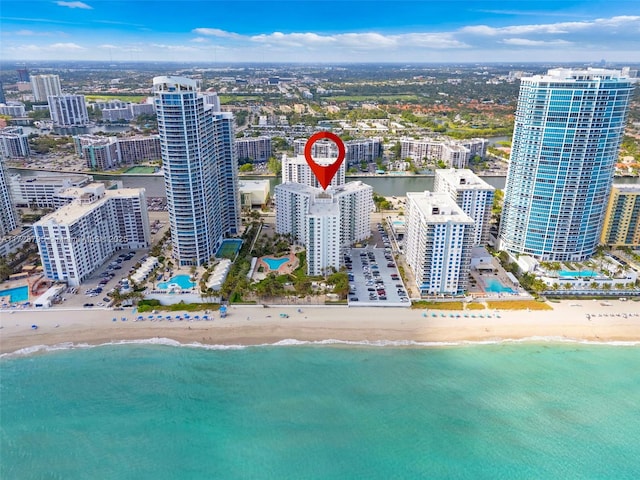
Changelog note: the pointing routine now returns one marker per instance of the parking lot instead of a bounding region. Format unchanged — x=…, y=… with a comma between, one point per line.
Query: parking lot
x=374, y=279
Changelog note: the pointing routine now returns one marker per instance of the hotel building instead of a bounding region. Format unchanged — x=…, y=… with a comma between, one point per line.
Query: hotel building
x=324, y=221
x=44, y=86
x=622, y=220
x=568, y=128
x=438, y=243
x=200, y=170
x=68, y=110
x=79, y=237
x=472, y=194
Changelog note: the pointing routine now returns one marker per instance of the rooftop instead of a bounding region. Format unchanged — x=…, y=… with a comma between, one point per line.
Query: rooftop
x=438, y=207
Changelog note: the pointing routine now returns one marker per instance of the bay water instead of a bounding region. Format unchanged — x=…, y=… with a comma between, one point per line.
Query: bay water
x=510, y=410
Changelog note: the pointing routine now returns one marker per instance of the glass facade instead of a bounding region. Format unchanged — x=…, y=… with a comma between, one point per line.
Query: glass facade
x=200, y=170
x=568, y=129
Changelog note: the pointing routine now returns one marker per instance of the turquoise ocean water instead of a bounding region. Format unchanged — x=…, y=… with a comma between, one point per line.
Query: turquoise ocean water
x=513, y=411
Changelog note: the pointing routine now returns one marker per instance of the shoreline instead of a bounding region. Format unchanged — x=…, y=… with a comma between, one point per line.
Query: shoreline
x=617, y=324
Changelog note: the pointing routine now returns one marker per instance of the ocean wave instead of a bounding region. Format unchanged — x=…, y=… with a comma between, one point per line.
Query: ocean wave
x=292, y=342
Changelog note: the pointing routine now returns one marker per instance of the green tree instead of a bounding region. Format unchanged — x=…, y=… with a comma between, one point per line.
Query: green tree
x=274, y=165
x=247, y=167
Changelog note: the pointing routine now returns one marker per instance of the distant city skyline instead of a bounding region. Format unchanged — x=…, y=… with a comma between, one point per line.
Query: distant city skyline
x=321, y=31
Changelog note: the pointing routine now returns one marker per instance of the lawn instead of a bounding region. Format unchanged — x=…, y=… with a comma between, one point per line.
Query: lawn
x=140, y=169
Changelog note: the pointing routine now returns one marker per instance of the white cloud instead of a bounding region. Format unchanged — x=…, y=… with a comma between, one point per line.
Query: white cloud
x=627, y=21
x=216, y=32
x=75, y=5
x=175, y=48
x=107, y=46
x=65, y=46
x=525, y=42
x=200, y=40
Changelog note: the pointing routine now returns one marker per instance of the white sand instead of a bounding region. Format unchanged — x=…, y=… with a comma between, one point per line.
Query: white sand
x=257, y=325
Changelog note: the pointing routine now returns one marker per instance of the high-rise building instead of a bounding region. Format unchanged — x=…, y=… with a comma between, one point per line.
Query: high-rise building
x=356, y=151
x=99, y=153
x=200, y=170
x=79, y=237
x=324, y=221
x=472, y=194
x=622, y=222
x=297, y=170
x=45, y=86
x=43, y=191
x=3, y=99
x=68, y=110
x=438, y=243
x=8, y=219
x=256, y=149
x=568, y=129
x=14, y=143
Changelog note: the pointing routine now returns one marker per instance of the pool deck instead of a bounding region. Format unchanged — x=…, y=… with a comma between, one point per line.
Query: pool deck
x=286, y=267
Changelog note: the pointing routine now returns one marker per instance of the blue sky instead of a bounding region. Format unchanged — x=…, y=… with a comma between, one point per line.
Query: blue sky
x=321, y=31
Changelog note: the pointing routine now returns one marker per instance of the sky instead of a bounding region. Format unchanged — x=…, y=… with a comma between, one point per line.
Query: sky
x=301, y=31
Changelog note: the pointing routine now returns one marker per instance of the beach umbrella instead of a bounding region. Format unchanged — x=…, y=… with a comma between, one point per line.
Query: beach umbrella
x=34, y=327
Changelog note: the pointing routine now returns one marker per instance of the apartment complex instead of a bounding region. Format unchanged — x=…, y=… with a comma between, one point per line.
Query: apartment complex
x=324, y=221
x=454, y=153
x=68, y=110
x=438, y=243
x=44, y=86
x=472, y=194
x=14, y=143
x=200, y=170
x=297, y=170
x=79, y=237
x=103, y=153
x=568, y=128
x=256, y=149
x=356, y=151
x=622, y=220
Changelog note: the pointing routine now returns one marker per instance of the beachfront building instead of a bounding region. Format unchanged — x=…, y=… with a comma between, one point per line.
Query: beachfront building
x=324, y=221
x=44, y=86
x=68, y=110
x=438, y=243
x=8, y=217
x=256, y=149
x=14, y=143
x=472, y=194
x=200, y=170
x=622, y=220
x=42, y=191
x=568, y=129
x=79, y=237
x=297, y=170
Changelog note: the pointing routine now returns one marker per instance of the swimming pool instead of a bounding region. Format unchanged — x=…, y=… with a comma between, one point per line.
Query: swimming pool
x=182, y=281
x=493, y=285
x=16, y=294
x=580, y=274
x=275, y=263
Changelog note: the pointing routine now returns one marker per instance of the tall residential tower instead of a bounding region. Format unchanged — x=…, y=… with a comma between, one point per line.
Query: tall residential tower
x=200, y=169
x=568, y=129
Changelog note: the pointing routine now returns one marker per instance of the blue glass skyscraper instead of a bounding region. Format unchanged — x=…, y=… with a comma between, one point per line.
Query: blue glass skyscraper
x=568, y=128
x=200, y=170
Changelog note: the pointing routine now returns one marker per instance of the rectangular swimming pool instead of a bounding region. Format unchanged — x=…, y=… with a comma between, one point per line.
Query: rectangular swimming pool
x=16, y=294
x=493, y=285
x=580, y=274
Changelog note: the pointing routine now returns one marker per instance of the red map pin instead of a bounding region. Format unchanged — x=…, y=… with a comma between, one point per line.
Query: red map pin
x=324, y=173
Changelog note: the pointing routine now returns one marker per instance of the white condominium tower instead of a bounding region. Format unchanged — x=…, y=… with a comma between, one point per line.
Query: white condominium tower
x=44, y=86
x=568, y=129
x=324, y=221
x=200, y=170
x=79, y=237
x=438, y=243
x=297, y=170
x=472, y=194
x=68, y=110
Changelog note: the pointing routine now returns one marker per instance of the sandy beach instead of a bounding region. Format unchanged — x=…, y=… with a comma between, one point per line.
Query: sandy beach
x=586, y=320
